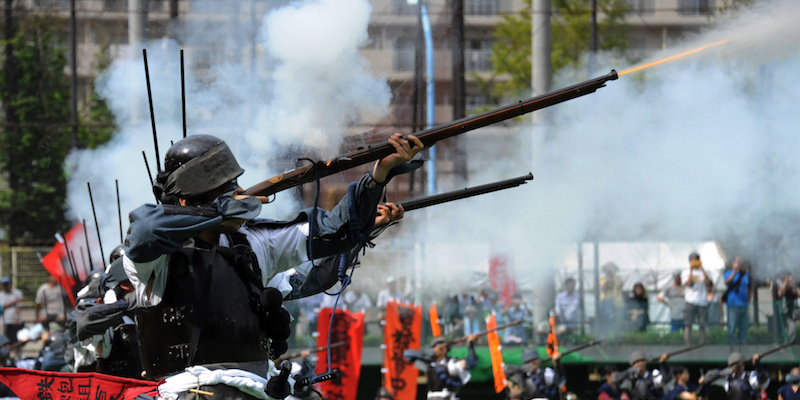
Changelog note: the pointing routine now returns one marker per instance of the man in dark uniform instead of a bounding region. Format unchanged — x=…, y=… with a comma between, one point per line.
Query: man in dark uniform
x=791, y=390
x=609, y=390
x=200, y=264
x=447, y=375
x=643, y=383
x=529, y=381
x=739, y=383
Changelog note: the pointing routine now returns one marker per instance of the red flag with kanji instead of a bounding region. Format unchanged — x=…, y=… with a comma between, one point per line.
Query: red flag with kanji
x=436, y=329
x=347, y=327
x=30, y=384
x=496, y=354
x=501, y=278
x=401, y=332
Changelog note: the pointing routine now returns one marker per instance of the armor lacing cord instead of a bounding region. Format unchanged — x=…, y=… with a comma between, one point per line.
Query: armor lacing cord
x=344, y=279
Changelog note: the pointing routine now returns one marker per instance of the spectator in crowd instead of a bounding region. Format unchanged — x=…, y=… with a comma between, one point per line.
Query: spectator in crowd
x=737, y=296
x=611, y=299
x=791, y=390
x=390, y=293
x=356, y=300
x=609, y=389
x=516, y=310
x=567, y=306
x=715, y=307
x=695, y=282
x=637, y=307
x=50, y=299
x=682, y=385
x=784, y=296
x=11, y=303
x=672, y=297
x=473, y=321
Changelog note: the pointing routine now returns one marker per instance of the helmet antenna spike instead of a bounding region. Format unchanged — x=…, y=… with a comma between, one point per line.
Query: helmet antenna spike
x=152, y=114
x=149, y=174
x=119, y=211
x=86, y=237
x=96, y=225
x=183, y=95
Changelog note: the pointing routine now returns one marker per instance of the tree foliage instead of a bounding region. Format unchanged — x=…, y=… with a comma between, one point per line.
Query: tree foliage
x=35, y=138
x=571, y=36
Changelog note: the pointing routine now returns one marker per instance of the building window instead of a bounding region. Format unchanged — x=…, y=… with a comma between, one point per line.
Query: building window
x=115, y=5
x=695, y=7
x=51, y=4
x=482, y=7
x=401, y=7
x=642, y=6
x=477, y=55
x=404, y=55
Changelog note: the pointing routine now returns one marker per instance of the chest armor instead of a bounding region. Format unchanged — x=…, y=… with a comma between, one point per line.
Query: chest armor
x=206, y=314
x=739, y=390
x=123, y=360
x=643, y=389
x=435, y=383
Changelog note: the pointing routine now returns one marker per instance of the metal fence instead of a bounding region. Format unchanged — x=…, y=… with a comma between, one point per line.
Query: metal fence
x=22, y=264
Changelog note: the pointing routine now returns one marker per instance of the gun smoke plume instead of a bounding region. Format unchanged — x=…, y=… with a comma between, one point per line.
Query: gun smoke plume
x=267, y=86
x=702, y=148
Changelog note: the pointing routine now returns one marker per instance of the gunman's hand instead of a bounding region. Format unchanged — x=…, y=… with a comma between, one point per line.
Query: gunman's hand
x=388, y=213
x=405, y=150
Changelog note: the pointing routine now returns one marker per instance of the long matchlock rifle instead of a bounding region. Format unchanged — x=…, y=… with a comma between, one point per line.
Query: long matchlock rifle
x=310, y=172
x=312, y=351
x=679, y=351
x=575, y=349
x=440, y=198
x=481, y=333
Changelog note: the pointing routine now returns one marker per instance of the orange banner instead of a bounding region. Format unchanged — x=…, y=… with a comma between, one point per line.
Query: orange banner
x=348, y=327
x=496, y=354
x=401, y=332
x=436, y=329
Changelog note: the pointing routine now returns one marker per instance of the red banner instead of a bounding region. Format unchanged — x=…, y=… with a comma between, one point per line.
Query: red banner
x=436, y=329
x=30, y=384
x=501, y=278
x=496, y=354
x=401, y=332
x=347, y=327
x=69, y=262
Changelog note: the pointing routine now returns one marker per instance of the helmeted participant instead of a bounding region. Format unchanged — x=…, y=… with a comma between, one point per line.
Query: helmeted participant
x=739, y=383
x=791, y=390
x=643, y=383
x=447, y=375
x=530, y=381
x=200, y=264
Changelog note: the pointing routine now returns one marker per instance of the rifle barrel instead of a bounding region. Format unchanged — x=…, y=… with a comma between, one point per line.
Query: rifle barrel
x=575, y=349
x=775, y=349
x=679, y=351
x=464, y=193
x=316, y=350
x=309, y=173
x=481, y=333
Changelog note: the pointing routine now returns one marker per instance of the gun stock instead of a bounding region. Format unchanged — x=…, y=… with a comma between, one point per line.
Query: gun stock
x=309, y=173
